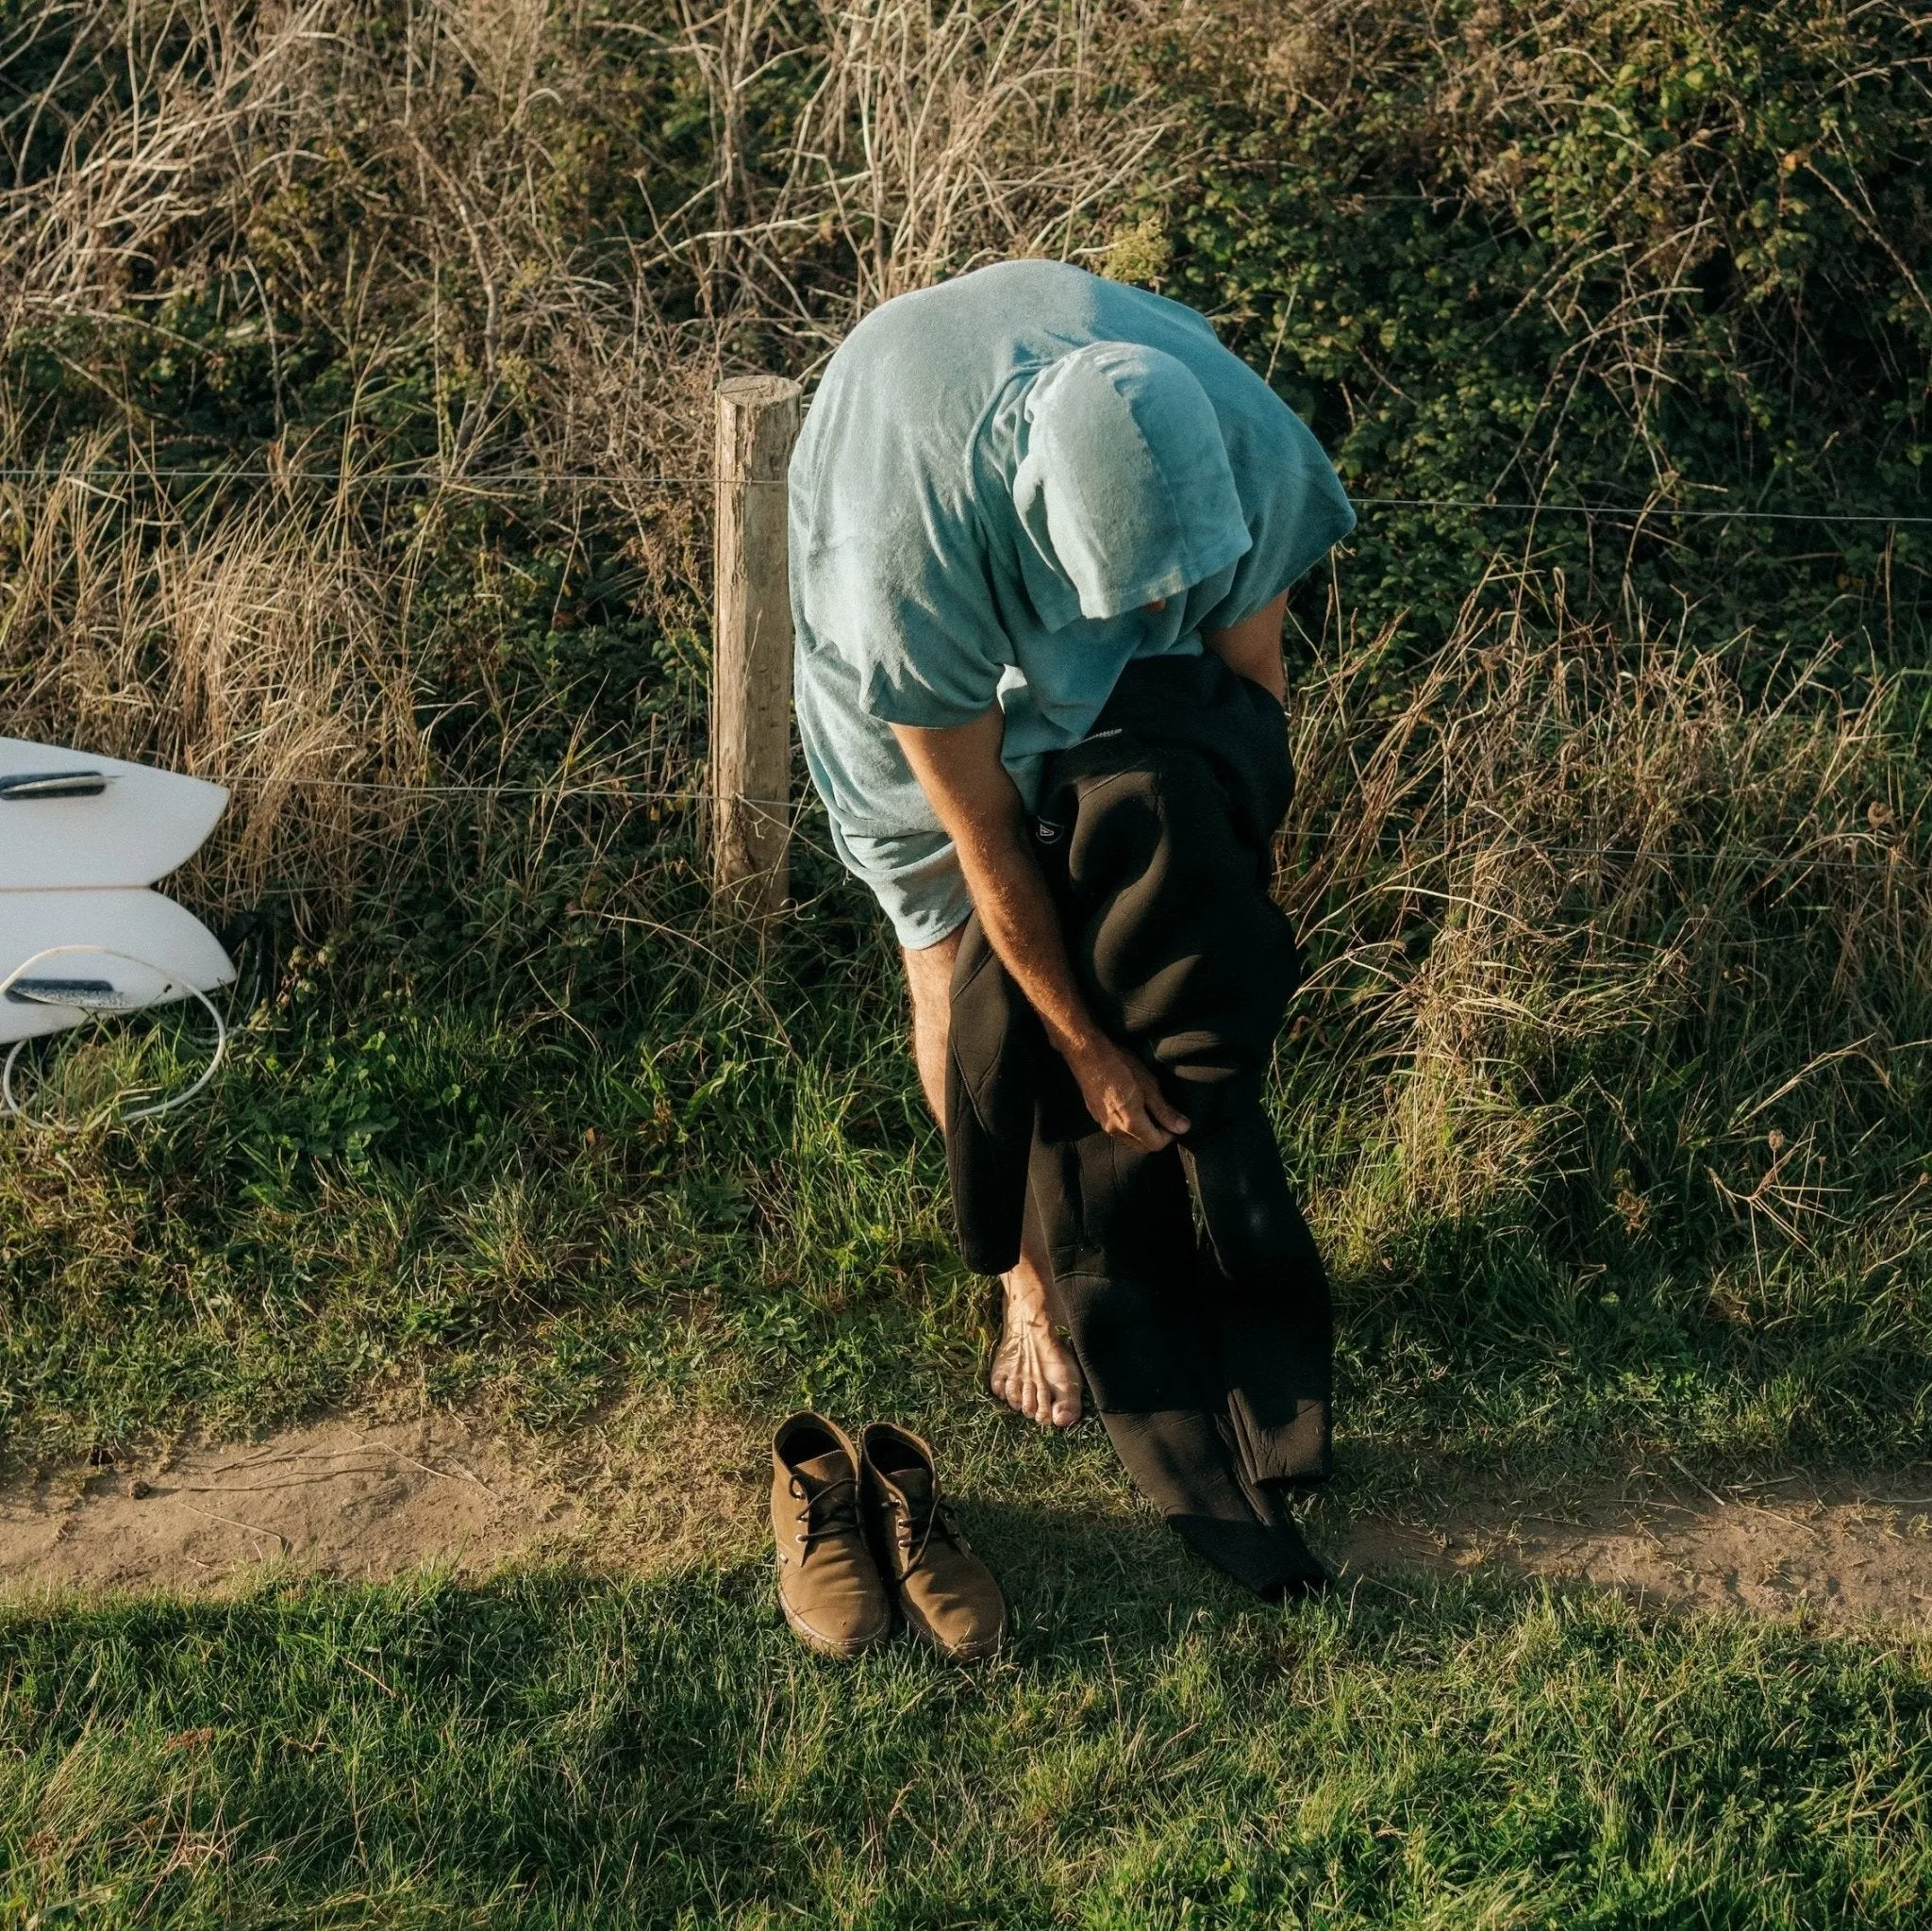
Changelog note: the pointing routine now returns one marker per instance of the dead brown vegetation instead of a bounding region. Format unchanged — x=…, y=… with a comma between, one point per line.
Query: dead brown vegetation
x=270, y=637
x=1572, y=867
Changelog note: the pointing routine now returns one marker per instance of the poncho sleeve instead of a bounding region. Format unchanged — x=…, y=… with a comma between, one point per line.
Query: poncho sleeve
x=894, y=578
x=1296, y=509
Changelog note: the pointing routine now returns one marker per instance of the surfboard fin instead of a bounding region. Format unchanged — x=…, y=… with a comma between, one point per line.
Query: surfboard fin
x=85, y=995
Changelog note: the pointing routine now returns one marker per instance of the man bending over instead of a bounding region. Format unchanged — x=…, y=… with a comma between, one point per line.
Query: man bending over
x=1009, y=488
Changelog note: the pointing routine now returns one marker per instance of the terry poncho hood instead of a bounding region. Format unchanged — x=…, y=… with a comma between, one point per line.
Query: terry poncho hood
x=1125, y=491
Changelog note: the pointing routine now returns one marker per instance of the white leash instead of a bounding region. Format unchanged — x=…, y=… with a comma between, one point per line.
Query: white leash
x=10, y=1104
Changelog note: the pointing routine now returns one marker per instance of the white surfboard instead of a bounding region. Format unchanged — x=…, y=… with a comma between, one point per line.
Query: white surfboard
x=64, y=955
x=68, y=818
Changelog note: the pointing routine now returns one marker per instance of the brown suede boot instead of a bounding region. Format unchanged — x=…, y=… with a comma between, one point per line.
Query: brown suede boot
x=829, y=1586
x=946, y=1593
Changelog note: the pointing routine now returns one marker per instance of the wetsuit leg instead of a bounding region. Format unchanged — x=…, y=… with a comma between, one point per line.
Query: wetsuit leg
x=1265, y=1303
x=1126, y=1278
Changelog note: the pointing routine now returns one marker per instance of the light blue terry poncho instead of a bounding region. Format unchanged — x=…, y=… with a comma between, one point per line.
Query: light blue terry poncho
x=997, y=475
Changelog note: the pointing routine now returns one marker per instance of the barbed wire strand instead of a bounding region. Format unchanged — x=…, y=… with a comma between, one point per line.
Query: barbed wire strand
x=527, y=478
x=1432, y=847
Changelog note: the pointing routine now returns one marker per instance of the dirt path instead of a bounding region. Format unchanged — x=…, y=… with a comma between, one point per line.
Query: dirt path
x=372, y=1499
x=353, y=1496
x=1844, y=1552
x=343, y=1497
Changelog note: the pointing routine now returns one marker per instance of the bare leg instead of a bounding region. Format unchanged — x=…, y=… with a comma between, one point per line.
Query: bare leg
x=1032, y=1371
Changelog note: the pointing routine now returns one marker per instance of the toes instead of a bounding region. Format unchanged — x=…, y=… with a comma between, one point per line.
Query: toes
x=1011, y=1383
x=1048, y=1401
x=1044, y=1404
x=1063, y=1383
x=1035, y=1377
x=1030, y=1403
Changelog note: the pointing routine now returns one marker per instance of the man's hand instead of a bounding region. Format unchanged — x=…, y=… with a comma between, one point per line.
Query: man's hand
x=959, y=770
x=1124, y=1096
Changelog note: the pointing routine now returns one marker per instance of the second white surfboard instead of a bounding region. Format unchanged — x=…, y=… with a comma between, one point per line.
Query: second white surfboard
x=64, y=955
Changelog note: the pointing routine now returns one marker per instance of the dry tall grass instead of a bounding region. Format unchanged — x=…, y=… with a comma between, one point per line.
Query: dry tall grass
x=1617, y=916
x=255, y=645
x=1567, y=862
x=268, y=637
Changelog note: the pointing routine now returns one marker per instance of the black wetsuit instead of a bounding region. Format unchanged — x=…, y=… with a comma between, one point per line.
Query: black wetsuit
x=1206, y=1357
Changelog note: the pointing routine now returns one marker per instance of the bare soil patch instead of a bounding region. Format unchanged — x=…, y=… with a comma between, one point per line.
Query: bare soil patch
x=346, y=1497
x=653, y=1486
x=1844, y=1552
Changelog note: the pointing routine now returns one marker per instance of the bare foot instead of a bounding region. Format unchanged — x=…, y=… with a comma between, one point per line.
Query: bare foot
x=1032, y=1369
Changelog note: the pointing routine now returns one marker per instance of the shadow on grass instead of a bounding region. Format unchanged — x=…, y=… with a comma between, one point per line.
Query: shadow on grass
x=555, y=1747
x=1076, y=1576
x=1079, y=1557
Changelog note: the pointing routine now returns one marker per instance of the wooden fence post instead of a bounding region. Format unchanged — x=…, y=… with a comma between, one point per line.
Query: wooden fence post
x=751, y=648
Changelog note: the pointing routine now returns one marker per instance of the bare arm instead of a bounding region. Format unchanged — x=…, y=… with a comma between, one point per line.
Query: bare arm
x=1252, y=648
x=959, y=770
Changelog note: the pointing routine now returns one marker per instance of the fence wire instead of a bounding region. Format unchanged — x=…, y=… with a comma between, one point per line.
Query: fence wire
x=1407, y=847
x=629, y=796
x=616, y=480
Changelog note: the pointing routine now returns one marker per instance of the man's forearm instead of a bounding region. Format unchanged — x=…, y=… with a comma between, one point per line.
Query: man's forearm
x=1022, y=925
x=960, y=769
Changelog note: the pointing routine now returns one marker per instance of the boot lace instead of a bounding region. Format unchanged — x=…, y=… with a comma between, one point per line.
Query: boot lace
x=833, y=1510
x=917, y=1530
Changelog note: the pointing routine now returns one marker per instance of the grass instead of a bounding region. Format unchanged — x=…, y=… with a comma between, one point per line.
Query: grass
x=1606, y=1094
x=1609, y=1125
x=549, y=1750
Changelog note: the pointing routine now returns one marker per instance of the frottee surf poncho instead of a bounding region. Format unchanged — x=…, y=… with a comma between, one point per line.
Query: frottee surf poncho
x=997, y=475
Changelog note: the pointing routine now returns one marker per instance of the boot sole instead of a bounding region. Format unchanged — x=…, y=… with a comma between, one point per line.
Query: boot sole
x=830, y=1646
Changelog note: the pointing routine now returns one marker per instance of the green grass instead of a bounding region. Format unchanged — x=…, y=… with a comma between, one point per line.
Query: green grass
x=401, y=1198
x=731, y=1201
x=549, y=1750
